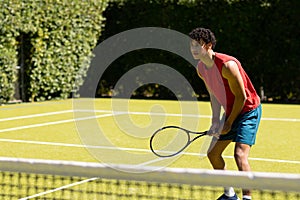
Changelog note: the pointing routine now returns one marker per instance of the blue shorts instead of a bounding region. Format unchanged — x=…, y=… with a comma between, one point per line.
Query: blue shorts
x=244, y=128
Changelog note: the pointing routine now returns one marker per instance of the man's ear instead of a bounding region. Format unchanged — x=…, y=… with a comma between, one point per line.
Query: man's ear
x=208, y=46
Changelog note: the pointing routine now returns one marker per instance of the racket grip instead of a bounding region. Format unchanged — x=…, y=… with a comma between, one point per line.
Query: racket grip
x=214, y=134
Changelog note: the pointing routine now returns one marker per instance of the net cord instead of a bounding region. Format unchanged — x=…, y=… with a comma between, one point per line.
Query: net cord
x=203, y=177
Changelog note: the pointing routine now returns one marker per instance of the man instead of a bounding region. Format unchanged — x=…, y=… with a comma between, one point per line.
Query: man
x=231, y=89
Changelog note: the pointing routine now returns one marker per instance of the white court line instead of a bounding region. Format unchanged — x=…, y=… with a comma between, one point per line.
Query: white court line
x=136, y=113
x=83, y=181
x=59, y=188
x=35, y=115
x=184, y=115
x=50, y=113
x=132, y=149
x=281, y=119
x=72, y=145
x=113, y=114
x=187, y=115
x=54, y=123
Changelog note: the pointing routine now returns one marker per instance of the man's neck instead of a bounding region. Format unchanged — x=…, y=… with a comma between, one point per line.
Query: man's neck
x=208, y=59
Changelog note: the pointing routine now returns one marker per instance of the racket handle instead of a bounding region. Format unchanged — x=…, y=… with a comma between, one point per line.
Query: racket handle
x=214, y=134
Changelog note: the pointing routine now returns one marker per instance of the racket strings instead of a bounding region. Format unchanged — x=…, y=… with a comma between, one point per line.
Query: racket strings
x=169, y=141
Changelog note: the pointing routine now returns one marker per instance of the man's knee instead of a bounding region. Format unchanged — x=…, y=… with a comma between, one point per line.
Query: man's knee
x=212, y=156
x=239, y=155
x=241, y=151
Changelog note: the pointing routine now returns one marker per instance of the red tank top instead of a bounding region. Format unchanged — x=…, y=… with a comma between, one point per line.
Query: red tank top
x=219, y=86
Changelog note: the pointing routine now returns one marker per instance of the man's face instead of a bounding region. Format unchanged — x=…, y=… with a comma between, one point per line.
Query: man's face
x=198, y=49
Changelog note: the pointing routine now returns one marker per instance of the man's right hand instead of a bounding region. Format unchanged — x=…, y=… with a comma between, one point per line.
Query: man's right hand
x=214, y=129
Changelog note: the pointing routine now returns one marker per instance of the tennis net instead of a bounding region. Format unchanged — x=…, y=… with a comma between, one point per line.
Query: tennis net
x=49, y=179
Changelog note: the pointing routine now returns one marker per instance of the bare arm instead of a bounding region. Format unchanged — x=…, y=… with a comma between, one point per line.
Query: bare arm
x=231, y=72
x=216, y=109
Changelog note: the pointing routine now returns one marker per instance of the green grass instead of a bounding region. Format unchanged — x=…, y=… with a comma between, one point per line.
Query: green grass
x=277, y=138
x=277, y=146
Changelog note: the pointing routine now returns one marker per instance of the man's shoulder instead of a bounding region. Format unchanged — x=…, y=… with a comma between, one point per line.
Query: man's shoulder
x=224, y=57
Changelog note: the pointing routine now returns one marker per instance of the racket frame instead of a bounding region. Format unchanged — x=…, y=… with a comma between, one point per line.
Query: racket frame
x=189, y=141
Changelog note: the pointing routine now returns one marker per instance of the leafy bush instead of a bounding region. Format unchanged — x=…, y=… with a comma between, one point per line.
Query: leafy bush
x=61, y=36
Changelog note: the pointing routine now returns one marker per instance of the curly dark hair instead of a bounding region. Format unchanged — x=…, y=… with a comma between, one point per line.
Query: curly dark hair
x=205, y=34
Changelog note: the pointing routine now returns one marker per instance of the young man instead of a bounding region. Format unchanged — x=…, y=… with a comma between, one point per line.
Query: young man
x=230, y=88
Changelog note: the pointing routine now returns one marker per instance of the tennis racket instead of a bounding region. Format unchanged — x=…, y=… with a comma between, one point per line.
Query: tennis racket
x=171, y=140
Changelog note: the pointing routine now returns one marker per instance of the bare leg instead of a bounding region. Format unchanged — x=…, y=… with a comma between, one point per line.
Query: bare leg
x=215, y=157
x=241, y=153
x=215, y=154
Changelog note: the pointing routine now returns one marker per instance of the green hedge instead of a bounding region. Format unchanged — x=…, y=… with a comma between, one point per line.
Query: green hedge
x=262, y=34
x=7, y=71
x=58, y=37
